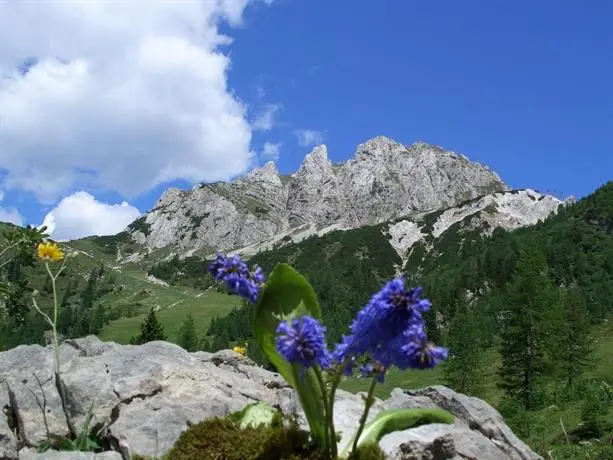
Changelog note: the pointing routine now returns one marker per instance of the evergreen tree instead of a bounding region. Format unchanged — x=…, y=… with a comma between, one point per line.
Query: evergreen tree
x=463, y=370
x=188, y=339
x=65, y=320
x=97, y=319
x=82, y=325
x=15, y=293
x=571, y=342
x=150, y=329
x=88, y=293
x=530, y=294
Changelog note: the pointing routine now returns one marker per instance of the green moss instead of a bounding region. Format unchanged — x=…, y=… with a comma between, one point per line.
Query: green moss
x=368, y=452
x=219, y=438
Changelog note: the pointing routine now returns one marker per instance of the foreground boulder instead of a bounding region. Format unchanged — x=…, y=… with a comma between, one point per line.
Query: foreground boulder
x=143, y=397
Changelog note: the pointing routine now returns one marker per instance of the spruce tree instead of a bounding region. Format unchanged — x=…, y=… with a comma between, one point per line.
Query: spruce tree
x=150, y=329
x=530, y=294
x=463, y=370
x=188, y=339
x=572, y=343
x=97, y=319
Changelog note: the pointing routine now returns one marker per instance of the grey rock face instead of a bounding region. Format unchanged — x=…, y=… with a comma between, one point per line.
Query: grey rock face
x=144, y=397
x=507, y=210
x=314, y=195
x=383, y=180
x=386, y=179
x=479, y=430
x=31, y=454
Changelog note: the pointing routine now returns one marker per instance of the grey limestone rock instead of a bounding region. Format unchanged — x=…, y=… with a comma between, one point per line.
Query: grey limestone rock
x=383, y=180
x=143, y=397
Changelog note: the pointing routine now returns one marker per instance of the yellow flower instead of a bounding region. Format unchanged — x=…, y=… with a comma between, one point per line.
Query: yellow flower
x=50, y=251
x=239, y=349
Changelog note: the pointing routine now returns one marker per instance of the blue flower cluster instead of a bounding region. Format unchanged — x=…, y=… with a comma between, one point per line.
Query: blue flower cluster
x=389, y=330
x=303, y=342
x=235, y=273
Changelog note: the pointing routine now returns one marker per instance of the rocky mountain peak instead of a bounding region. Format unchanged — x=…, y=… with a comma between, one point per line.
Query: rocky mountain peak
x=170, y=195
x=267, y=173
x=379, y=146
x=384, y=180
x=315, y=160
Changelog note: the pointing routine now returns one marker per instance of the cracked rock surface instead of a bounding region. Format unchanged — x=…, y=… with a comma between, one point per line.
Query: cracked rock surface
x=145, y=396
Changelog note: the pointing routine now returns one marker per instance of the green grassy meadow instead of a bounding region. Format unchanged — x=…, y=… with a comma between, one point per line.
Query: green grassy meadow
x=174, y=307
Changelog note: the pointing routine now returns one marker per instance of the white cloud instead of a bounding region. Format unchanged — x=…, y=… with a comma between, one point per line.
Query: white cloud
x=80, y=215
x=11, y=215
x=309, y=137
x=123, y=96
x=271, y=151
x=265, y=119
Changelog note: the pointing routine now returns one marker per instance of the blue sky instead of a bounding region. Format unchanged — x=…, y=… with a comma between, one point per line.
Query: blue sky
x=524, y=87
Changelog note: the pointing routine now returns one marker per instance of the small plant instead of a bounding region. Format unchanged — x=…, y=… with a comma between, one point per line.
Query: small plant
x=388, y=331
x=81, y=441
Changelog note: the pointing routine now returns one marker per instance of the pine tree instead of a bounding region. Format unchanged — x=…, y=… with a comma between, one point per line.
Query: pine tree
x=97, y=319
x=463, y=370
x=571, y=344
x=150, y=329
x=530, y=295
x=87, y=295
x=188, y=339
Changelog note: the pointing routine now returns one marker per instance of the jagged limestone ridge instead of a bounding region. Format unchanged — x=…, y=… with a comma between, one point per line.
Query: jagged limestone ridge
x=383, y=180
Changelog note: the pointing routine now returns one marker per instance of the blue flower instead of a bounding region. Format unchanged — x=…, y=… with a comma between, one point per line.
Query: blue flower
x=303, y=342
x=388, y=313
x=418, y=352
x=235, y=273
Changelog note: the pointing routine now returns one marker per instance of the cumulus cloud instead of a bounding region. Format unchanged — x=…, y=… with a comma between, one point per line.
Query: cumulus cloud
x=271, y=151
x=265, y=119
x=118, y=95
x=11, y=215
x=80, y=215
x=309, y=137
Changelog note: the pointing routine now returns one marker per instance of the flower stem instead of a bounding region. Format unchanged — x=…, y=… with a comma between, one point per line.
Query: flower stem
x=368, y=404
x=335, y=383
x=56, y=345
x=326, y=440
x=56, y=349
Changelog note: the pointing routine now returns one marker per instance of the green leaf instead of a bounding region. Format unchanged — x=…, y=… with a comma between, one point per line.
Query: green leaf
x=255, y=415
x=92, y=445
x=45, y=446
x=287, y=295
x=66, y=444
x=391, y=420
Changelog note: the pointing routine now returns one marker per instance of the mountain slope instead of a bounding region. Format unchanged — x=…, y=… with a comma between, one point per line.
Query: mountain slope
x=417, y=232
x=97, y=296
x=347, y=267
x=383, y=180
